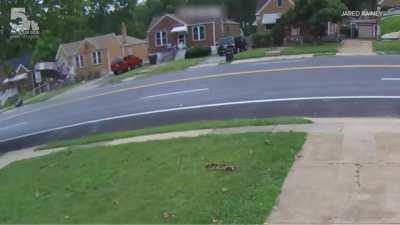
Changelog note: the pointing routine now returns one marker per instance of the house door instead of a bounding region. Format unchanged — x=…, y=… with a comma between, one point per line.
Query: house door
x=181, y=40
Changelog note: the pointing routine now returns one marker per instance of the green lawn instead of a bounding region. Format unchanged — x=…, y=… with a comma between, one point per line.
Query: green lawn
x=390, y=24
x=161, y=182
x=159, y=69
x=177, y=127
x=388, y=47
x=47, y=95
x=253, y=53
x=325, y=48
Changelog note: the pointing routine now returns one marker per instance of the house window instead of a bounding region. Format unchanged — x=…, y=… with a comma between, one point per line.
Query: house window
x=279, y=3
x=79, y=61
x=96, y=57
x=161, y=38
x=199, y=33
x=269, y=27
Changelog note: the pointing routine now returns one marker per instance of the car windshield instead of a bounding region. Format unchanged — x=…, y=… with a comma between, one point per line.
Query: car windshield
x=117, y=60
x=226, y=40
x=200, y=112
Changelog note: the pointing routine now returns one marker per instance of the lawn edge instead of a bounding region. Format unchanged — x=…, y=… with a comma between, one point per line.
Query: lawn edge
x=180, y=127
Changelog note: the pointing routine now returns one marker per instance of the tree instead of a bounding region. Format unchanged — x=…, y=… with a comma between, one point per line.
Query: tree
x=314, y=15
x=46, y=48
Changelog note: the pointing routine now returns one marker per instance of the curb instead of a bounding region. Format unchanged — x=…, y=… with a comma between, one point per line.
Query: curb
x=357, y=54
x=274, y=58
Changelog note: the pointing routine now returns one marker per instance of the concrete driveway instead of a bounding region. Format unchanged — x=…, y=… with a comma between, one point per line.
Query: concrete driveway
x=348, y=176
x=356, y=47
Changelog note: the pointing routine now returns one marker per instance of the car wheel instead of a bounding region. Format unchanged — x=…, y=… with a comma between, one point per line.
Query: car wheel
x=115, y=72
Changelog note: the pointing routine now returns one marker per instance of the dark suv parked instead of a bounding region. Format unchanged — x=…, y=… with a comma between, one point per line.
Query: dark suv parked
x=238, y=44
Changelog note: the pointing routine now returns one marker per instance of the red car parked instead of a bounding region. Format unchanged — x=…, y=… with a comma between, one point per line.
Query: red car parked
x=125, y=64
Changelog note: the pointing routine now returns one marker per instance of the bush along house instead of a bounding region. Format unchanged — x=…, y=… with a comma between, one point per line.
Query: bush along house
x=188, y=27
x=92, y=57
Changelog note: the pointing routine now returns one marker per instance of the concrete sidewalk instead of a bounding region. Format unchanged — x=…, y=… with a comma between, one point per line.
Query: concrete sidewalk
x=356, y=47
x=348, y=177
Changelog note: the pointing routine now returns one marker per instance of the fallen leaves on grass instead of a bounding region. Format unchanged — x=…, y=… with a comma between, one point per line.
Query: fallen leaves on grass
x=168, y=215
x=220, y=167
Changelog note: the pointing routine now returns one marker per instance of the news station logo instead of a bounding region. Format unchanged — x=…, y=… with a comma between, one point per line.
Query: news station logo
x=21, y=26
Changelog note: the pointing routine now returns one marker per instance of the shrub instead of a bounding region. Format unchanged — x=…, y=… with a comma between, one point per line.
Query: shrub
x=197, y=51
x=262, y=39
x=346, y=31
x=278, y=35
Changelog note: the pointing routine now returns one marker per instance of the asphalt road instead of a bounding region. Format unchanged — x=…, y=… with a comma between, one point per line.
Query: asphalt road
x=319, y=87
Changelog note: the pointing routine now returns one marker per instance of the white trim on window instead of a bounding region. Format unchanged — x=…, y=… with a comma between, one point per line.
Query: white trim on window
x=199, y=33
x=161, y=38
x=79, y=61
x=96, y=57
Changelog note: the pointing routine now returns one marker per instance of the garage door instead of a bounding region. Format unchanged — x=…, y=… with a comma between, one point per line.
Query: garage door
x=366, y=31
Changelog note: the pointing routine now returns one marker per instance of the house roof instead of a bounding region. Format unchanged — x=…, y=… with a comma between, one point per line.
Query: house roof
x=131, y=40
x=100, y=42
x=195, y=15
x=229, y=21
x=390, y=3
x=262, y=3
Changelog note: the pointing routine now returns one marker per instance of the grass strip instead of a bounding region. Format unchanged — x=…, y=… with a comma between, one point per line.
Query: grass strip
x=177, y=127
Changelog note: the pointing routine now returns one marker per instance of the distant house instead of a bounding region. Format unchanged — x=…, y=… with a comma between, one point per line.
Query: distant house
x=268, y=13
x=21, y=74
x=388, y=4
x=190, y=27
x=93, y=56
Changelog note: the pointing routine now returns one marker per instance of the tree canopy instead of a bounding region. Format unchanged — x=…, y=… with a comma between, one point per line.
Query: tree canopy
x=71, y=20
x=315, y=15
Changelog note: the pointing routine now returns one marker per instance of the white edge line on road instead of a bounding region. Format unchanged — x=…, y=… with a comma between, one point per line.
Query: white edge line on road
x=390, y=79
x=278, y=62
x=200, y=107
x=176, y=93
x=13, y=126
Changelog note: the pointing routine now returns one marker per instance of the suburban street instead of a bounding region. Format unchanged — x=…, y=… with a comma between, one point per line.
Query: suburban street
x=325, y=86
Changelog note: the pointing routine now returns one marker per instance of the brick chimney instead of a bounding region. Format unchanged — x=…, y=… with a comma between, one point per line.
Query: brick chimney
x=124, y=33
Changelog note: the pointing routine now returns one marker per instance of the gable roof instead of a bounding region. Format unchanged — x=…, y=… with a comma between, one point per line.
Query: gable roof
x=195, y=15
x=261, y=4
x=131, y=40
x=99, y=42
x=156, y=20
x=390, y=3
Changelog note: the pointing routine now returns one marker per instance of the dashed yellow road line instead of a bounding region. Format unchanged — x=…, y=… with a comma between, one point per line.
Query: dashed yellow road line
x=204, y=77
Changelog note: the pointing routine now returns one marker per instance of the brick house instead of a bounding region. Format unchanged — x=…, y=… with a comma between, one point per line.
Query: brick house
x=93, y=56
x=268, y=13
x=190, y=27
